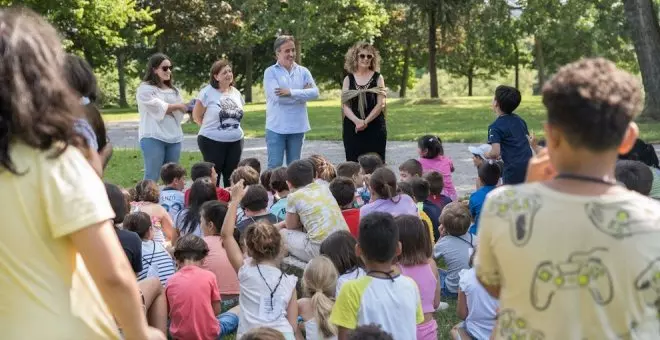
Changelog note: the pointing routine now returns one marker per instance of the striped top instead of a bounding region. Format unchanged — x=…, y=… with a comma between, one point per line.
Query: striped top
x=156, y=262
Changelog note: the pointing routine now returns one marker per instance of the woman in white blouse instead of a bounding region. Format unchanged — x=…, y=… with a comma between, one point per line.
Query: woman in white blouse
x=219, y=111
x=161, y=111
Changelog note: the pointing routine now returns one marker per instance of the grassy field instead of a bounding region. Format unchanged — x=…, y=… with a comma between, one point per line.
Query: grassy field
x=461, y=119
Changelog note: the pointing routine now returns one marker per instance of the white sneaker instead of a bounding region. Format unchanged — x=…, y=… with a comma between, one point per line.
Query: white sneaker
x=443, y=306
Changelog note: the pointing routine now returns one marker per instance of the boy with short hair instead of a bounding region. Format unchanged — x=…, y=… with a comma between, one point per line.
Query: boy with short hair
x=250, y=176
x=368, y=164
x=343, y=189
x=255, y=206
x=311, y=207
x=635, y=175
x=383, y=297
x=420, y=189
x=207, y=169
x=278, y=184
x=436, y=184
x=171, y=197
x=455, y=246
x=352, y=170
x=508, y=135
x=489, y=176
x=579, y=253
x=410, y=169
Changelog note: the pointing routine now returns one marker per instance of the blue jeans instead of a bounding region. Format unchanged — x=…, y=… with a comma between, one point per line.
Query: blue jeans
x=443, y=287
x=277, y=144
x=155, y=154
x=228, y=323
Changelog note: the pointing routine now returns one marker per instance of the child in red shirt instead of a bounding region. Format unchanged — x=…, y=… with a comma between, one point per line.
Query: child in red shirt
x=343, y=189
x=193, y=299
x=207, y=169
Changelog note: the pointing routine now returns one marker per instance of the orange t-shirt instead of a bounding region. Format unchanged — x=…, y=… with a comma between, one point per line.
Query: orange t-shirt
x=218, y=263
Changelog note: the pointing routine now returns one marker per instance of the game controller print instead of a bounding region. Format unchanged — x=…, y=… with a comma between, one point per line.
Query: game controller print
x=519, y=210
x=512, y=327
x=583, y=270
x=648, y=283
x=617, y=222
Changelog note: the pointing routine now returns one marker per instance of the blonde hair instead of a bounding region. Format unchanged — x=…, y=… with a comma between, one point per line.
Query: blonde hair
x=263, y=333
x=319, y=282
x=324, y=169
x=351, y=58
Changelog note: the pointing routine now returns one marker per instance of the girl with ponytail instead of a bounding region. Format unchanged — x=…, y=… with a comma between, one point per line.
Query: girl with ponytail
x=319, y=281
x=384, y=198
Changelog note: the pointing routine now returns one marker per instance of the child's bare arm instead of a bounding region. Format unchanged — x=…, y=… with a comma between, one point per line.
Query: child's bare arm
x=342, y=333
x=292, y=221
x=292, y=315
x=436, y=297
x=461, y=307
x=217, y=307
x=234, y=252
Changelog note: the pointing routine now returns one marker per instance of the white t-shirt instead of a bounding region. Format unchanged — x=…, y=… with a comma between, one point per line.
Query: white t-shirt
x=571, y=266
x=482, y=308
x=172, y=200
x=152, y=103
x=312, y=331
x=224, y=112
x=256, y=283
x=352, y=275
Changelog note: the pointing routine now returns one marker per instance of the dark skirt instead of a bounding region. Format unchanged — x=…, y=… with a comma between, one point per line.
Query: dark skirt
x=373, y=139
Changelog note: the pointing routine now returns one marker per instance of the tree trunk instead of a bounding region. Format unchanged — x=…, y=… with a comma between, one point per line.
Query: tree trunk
x=517, y=65
x=433, y=72
x=121, y=72
x=470, y=77
x=540, y=64
x=249, y=62
x=298, y=50
x=406, y=69
x=645, y=31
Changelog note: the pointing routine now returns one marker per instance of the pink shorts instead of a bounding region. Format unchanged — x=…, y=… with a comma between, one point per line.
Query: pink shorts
x=427, y=330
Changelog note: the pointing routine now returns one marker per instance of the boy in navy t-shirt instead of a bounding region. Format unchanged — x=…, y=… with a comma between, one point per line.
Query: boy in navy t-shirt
x=508, y=135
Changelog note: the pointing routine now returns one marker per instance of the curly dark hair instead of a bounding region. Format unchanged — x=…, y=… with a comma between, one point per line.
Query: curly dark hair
x=592, y=93
x=37, y=106
x=278, y=180
x=508, y=98
x=263, y=241
x=146, y=191
x=151, y=78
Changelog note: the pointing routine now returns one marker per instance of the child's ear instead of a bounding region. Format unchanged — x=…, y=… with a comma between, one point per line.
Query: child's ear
x=629, y=139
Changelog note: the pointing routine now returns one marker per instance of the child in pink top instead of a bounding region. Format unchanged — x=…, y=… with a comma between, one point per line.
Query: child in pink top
x=193, y=299
x=416, y=262
x=432, y=158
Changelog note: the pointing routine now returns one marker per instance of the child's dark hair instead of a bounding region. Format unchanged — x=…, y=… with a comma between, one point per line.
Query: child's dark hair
x=245, y=173
x=370, y=162
x=508, y=98
x=201, y=191
x=420, y=189
x=636, y=176
x=138, y=222
x=592, y=93
x=431, y=146
x=383, y=183
x=348, y=169
x=201, y=169
x=264, y=180
x=404, y=188
x=214, y=211
x=378, y=237
x=489, y=173
x=117, y=202
x=255, y=199
x=190, y=247
x=278, y=180
x=300, y=173
x=644, y=153
x=263, y=241
x=369, y=332
x=343, y=189
x=436, y=182
x=412, y=166
x=171, y=171
x=339, y=247
x=251, y=162
x=456, y=218
x=146, y=191
x=323, y=168
x=415, y=240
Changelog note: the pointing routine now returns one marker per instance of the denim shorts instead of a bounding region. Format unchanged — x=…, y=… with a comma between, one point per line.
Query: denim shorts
x=228, y=323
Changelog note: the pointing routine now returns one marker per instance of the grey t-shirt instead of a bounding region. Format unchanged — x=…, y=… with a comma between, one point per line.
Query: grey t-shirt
x=224, y=112
x=456, y=252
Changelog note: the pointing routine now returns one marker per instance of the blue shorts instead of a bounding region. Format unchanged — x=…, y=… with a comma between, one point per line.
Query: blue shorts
x=443, y=287
x=228, y=323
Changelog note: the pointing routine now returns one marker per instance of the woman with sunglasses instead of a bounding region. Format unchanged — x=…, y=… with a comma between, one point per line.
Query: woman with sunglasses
x=363, y=103
x=161, y=111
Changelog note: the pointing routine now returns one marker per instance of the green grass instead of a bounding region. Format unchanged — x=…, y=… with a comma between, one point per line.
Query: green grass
x=461, y=119
x=126, y=167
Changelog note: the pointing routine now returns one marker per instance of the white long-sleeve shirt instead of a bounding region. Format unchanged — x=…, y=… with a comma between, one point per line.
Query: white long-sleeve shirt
x=154, y=123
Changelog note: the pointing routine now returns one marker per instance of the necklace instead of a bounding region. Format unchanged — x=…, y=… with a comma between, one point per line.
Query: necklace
x=389, y=274
x=583, y=178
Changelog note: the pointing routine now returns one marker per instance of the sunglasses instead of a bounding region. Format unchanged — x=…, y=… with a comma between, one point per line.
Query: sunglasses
x=166, y=68
x=366, y=56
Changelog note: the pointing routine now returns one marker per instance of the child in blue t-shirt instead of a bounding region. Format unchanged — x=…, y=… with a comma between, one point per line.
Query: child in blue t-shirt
x=172, y=197
x=508, y=135
x=489, y=175
x=278, y=183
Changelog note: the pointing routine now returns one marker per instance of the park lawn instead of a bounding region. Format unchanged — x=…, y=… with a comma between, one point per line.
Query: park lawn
x=461, y=119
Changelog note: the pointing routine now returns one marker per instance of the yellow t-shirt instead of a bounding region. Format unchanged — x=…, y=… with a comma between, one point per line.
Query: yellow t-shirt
x=45, y=289
x=427, y=220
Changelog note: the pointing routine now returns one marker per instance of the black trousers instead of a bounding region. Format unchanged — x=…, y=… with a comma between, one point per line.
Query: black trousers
x=373, y=139
x=224, y=155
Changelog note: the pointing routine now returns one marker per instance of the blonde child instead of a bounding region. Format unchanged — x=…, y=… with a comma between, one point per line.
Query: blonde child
x=324, y=171
x=432, y=157
x=267, y=296
x=319, y=281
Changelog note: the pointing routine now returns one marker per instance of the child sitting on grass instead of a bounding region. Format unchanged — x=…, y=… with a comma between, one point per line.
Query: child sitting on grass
x=420, y=188
x=383, y=296
x=193, y=299
x=278, y=184
x=319, y=281
x=171, y=196
x=255, y=206
x=309, y=206
x=187, y=220
x=343, y=189
x=489, y=176
x=252, y=163
x=268, y=296
x=455, y=245
x=410, y=169
x=432, y=157
x=382, y=185
x=340, y=249
x=406, y=188
x=436, y=184
x=368, y=164
x=145, y=198
x=324, y=171
x=250, y=176
x=352, y=170
x=264, y=180
x=207, y=169
x=156, y=261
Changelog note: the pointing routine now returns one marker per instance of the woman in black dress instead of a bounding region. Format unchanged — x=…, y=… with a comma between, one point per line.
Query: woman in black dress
x=363, y=103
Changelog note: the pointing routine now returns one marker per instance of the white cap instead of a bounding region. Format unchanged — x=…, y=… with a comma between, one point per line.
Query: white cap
x=480, y=150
